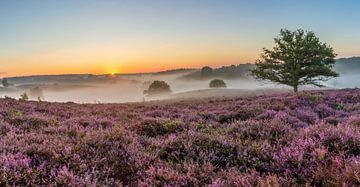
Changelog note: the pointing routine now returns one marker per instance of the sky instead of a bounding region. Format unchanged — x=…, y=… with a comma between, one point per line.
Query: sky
x=127, y=36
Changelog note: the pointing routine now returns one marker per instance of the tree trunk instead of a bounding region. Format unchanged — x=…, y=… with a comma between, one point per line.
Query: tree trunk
x=295, y=88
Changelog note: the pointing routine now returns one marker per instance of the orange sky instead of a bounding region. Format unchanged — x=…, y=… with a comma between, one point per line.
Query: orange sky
x=124, y=59
x=127, y=36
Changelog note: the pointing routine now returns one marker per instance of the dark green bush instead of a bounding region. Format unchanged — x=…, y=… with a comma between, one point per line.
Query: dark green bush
x=154, y=127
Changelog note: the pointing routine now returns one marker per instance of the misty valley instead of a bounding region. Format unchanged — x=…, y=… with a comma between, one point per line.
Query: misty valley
x=184, y=83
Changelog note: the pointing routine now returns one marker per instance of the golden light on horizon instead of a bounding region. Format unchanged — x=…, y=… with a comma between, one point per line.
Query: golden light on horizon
x=131, y=58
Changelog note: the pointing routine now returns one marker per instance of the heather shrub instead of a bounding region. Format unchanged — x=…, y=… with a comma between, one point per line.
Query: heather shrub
x=29, y=122
x=175, y=151
x=354, y=121
x=342, y=142
x=323, y=110
x=12, y=113
x=65, y=177
x=91, y=123
x=156, y=127
x=241, y=115
x=339, y=106
x=283, y=117
x=205, y=128
x=200, y=148
x=220, y=153
x=114, y=155
x=273, y=131
x=332, y=120
x=302, y=156
x=337, y=172
x=255, y=155
x=163, y=176
x=312, y=98
x=15, y=170
x=245, y=179
x=306, y=115
x=279, y=140
x=4, y=129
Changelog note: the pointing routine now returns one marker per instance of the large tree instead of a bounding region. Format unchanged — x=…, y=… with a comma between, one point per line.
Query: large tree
x=298, y=58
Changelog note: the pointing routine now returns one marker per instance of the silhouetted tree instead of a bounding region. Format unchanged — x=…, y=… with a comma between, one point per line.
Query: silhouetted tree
x=206, y=71
x=24, y=97
x=298, y=58
x=217, y=83
x=4, y=82
x=158, y=88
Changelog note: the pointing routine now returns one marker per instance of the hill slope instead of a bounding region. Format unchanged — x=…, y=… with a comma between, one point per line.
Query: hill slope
x=342, y=65
x=348, y=65
x=285, y=139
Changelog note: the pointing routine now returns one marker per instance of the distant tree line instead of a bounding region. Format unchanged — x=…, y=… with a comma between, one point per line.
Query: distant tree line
x=225, y=72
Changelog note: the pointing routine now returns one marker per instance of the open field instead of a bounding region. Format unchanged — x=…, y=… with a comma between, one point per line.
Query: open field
x=281, y=139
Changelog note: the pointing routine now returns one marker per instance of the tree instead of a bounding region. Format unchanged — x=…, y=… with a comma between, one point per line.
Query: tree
x=217, y=83
x=4, y=82
x=24, y=97
x=298, y=58
x=206, y=71
x=158, y=88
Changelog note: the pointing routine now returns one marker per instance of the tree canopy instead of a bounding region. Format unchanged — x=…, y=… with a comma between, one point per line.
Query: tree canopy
x=158, y=88
x=217, y=83
x=4, y=82
x=298, y=58
x=206, y=71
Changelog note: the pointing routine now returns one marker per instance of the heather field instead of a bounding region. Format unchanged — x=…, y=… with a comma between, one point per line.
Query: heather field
x=311, y=138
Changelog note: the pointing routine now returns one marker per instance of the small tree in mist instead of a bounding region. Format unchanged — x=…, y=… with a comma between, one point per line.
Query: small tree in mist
x=5, y=82
x=217, y=83
x=158, y=88
x=24, y=97
x=298, y=58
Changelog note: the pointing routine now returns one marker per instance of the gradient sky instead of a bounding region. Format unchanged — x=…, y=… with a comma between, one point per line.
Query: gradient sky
x=103, y=36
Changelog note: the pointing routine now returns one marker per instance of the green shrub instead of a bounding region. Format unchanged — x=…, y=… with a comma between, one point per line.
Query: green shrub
x=153, y=128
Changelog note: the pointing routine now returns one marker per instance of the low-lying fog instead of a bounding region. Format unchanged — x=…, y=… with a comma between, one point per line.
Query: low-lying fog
x=130, y=88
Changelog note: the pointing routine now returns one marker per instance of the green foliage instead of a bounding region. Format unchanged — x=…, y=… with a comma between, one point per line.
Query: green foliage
x=217, y=83
x=153, y=128
x=312, y=98
x=339, y=106
x=158, y=88
x=298, y=58
x=14, y=113
x=24, y=97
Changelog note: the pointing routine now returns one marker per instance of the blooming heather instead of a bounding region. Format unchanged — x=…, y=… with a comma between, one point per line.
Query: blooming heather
x=310, y=138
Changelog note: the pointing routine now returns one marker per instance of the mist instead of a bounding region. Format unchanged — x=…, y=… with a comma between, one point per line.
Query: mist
x=130, y=87
x=115, y=89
